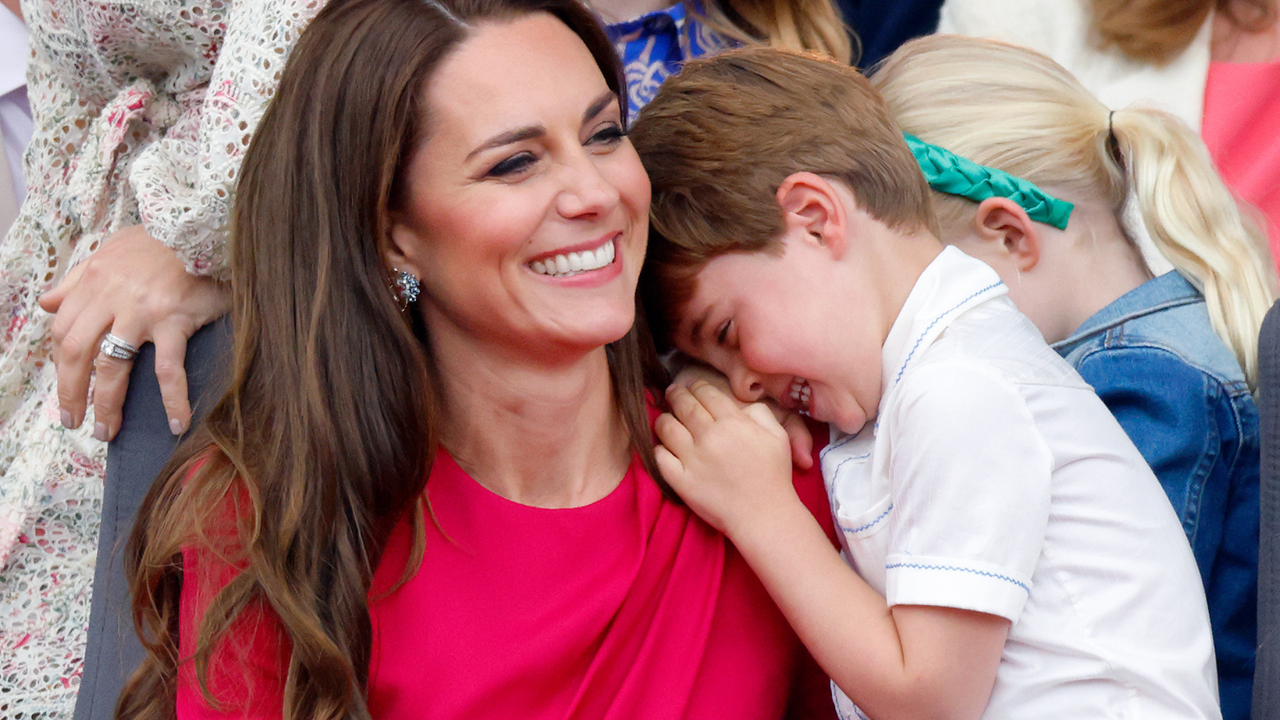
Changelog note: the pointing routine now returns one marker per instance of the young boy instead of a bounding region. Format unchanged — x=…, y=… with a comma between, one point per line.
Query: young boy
x=1012, y=555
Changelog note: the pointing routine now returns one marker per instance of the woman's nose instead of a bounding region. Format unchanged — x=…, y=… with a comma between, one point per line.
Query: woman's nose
x=587, y=190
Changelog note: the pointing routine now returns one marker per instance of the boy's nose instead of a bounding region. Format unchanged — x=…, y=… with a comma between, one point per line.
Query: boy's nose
x=746, y=385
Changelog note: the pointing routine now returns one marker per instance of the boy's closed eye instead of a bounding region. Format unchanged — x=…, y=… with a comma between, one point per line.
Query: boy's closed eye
x=722, y=334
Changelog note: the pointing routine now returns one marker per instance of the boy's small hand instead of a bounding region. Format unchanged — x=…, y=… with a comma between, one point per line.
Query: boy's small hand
x=797, y=431
x=728, y=463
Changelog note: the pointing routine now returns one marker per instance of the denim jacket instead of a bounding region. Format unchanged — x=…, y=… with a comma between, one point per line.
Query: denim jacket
x=1178, y=391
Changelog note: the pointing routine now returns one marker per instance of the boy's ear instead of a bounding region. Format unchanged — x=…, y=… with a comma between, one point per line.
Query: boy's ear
x=1004, y=227
x=813, y=211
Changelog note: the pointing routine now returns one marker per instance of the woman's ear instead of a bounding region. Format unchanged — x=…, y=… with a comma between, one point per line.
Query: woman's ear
x=404, y=247
x=1004, y=228
x=813, y=211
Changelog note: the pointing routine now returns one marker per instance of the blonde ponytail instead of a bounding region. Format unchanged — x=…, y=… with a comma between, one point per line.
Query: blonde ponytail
x=1014, y=109
x=1196, y=223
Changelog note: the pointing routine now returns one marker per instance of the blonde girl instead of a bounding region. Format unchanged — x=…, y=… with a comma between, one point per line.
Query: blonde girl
x=1174, y=357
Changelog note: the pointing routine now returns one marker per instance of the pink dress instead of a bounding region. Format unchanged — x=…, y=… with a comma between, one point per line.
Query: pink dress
x=630, y=607
x=1242, y=131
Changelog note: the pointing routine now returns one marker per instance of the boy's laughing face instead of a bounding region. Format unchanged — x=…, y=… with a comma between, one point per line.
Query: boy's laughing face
x=790, y=327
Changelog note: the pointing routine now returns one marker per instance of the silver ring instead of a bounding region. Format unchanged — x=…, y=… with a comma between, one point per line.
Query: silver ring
x=112, y=346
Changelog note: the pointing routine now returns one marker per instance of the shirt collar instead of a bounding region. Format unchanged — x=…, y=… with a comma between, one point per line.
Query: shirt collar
x=1169, y=290
x=13, y=52
x=951, y=284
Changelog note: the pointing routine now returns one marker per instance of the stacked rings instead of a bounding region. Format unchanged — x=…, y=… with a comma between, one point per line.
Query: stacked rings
x=112, y=346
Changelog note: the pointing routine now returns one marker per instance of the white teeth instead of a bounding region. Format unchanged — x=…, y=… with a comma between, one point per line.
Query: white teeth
x=800, y=392
x=574, y=262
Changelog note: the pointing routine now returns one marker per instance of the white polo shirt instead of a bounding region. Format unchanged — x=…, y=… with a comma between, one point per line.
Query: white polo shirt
x=995, y=480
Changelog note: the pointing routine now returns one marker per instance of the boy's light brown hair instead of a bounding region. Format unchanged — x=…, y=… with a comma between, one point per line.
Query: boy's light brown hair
x=723, y=134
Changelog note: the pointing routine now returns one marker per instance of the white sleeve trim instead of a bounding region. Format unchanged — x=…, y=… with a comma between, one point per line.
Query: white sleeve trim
x=952, y=582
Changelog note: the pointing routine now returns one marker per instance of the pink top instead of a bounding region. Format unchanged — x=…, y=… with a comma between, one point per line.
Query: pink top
x=630, y=607
x=1242, y=131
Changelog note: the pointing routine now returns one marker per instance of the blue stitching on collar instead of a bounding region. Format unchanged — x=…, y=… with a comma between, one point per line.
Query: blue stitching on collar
x=836, y=473
x=822, y=455
x=920, y=339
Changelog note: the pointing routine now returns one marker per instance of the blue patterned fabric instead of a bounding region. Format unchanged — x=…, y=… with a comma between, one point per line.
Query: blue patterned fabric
x=654, y=46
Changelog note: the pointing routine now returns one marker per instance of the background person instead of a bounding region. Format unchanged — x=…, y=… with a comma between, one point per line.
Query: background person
x=1213, y=63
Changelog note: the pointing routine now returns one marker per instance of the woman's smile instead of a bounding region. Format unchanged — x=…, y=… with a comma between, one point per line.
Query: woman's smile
x=594, y=263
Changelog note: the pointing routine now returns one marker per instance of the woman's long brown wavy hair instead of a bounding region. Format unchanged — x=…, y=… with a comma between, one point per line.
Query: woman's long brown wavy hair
x=327, y=433
x=1157, y=30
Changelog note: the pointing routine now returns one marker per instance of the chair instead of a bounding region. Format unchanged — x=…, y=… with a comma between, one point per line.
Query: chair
x=1266, y=682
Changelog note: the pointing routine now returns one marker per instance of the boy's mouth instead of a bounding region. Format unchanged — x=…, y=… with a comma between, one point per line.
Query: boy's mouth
x=800, y=393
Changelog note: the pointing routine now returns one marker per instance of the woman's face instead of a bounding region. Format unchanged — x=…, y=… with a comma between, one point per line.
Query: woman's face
x=527, y=209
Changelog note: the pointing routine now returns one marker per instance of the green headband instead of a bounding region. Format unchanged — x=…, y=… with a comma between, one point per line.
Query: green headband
x=951, y=174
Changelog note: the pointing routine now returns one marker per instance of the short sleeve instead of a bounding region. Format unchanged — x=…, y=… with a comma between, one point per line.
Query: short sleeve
x=971, y=486
x=185, y=181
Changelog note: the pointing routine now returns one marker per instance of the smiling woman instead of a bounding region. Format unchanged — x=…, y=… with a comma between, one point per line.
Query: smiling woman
x=284, y=567
x=527, y=134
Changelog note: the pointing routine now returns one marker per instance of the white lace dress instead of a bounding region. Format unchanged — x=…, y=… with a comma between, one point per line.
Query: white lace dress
x=143, y=110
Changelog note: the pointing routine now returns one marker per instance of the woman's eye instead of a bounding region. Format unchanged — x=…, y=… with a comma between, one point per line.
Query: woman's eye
x=609, y=135
x=512, y=165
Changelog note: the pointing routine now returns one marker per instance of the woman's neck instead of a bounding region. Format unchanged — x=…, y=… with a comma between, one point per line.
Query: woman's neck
x=537, y=433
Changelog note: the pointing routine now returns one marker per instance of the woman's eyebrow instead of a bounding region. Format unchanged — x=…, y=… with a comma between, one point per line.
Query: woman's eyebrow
x=528, y=133
x=509, y=137
x=533, y=131
x=600, y=103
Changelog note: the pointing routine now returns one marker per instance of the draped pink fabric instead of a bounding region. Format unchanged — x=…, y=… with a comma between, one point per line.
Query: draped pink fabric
x=1241, y=115
x=630, y=607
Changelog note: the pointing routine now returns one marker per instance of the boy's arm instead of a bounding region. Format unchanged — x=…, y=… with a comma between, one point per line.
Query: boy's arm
x=909, y=661
x=732, y=467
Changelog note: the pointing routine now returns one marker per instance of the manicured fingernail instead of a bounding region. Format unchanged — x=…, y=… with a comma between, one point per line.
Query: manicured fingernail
x=175, y=427
x=100, y=432
x=66, y=418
